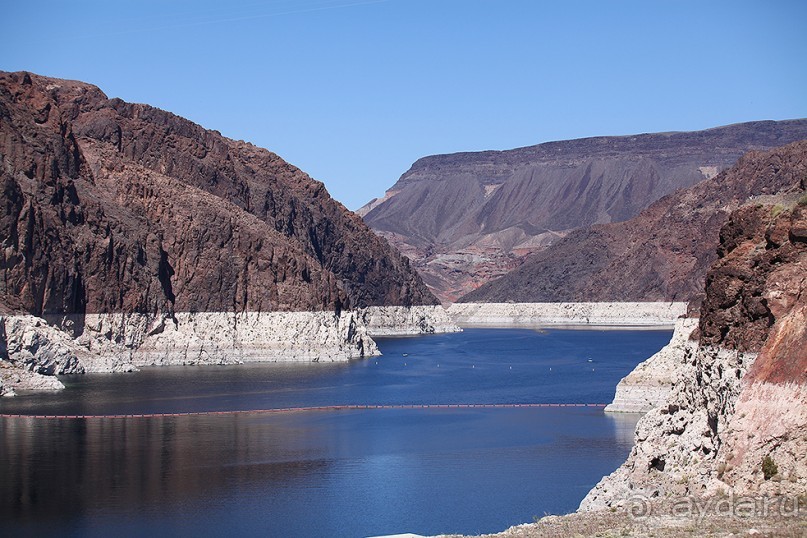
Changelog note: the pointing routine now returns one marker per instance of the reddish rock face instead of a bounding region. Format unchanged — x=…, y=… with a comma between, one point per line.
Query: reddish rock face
x=664, y=253
x=116, y=207
x=756, y=293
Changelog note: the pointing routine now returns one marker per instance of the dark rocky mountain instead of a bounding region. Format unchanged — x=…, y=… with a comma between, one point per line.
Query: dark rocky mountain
x=110, y=206
x=467, y=218
x=664, y=253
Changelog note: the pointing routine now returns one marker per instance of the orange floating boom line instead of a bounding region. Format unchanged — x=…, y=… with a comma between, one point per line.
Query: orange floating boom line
x=357, y=407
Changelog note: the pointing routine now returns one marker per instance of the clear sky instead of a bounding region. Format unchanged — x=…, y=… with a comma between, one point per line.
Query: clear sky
x=354, y=91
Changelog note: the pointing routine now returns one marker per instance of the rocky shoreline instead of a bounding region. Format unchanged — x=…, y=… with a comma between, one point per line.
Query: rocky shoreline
x=33, y=351
x=649, y=384
x=732, y=430
x=735, y=418
x=133, y=237
x=407, y=320
x=627, y=314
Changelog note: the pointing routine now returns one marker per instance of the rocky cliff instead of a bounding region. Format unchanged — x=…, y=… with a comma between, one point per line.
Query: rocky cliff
x=118, y=209
x=649, y=384
x=467, y=218
x=112, y=206
x=735, y=419
x=663, y=254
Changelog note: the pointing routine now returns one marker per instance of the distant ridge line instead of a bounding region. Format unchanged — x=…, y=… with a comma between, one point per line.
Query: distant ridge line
x=310, y=408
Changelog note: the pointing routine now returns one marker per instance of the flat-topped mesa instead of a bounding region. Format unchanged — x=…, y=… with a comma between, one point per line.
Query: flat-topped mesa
x=662, y=254
x=466, y=219
x=119, y=209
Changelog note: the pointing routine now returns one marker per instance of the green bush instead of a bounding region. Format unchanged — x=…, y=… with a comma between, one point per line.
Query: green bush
x=803, y=199
x=769, y=469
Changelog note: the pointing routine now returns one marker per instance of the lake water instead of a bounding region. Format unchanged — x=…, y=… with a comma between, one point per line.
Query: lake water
x=330, y=473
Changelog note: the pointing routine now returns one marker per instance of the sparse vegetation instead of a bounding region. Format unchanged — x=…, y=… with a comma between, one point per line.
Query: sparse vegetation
x=777, y=210
x=769, y=468
x=803, y=199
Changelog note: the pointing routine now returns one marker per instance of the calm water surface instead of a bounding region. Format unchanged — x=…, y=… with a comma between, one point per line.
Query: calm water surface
x=327, y=473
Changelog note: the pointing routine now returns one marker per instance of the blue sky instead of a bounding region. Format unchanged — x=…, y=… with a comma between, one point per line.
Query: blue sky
x=354, y=91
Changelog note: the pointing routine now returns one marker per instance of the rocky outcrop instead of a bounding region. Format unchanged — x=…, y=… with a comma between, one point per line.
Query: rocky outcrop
x=13, y=378
x=406, y=320
x=677, y=442
x=649, y=384
x=35, y=352
x=124, y=216
x=735, y=419
x=228, y=338
x=769, y=421
x=663, y=254
x=764, y=284
x=514, y=314
x=32, y=353
x=467, y=218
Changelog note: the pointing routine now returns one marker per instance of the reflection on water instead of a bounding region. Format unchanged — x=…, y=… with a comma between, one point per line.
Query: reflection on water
x=326, y=473
x=54, y=469
x=624, y=425
x=319, y=473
